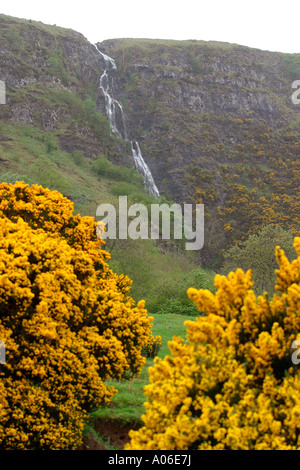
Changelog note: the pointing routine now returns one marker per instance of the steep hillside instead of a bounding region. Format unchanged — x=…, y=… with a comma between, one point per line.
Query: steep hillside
x=54, y=131
x=52, y=80
x=216, y=125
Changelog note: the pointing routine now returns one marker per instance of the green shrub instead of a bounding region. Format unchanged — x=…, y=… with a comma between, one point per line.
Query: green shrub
x=143, y=198
x=51, y=146
x=172, y=297
x=9, y=177
x=103, y=167
x=77, y=157
x=257, y=253
x=122, y=189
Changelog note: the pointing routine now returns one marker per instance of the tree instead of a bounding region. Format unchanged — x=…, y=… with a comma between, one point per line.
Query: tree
x=257, y=253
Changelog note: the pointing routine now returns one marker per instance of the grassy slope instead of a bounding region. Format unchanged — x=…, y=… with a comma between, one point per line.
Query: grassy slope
x=158, y=276
x=245, y=136
x=34, y=155
x=24, y=156
x=128, y=404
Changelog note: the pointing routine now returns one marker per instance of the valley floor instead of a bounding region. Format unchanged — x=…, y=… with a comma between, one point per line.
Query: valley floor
x=110, y=426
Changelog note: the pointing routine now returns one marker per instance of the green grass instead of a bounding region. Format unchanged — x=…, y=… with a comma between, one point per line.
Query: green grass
x=160, y=277
x=16, y=23
x=128, y=404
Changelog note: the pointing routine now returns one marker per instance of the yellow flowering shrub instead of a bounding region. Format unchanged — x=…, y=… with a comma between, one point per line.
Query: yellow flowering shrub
x=232, y=384
x=153, y=346
x=67, y=321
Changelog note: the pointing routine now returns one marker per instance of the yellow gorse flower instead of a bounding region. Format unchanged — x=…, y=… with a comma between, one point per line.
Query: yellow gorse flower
x=67, y=321
x=232, y=384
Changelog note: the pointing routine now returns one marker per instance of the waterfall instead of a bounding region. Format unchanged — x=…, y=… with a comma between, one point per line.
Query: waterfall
x=111, y=104
x=106, y=85
x=143, y=168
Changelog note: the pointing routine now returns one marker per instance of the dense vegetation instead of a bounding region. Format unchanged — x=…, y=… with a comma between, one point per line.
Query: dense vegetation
x=257, y=253
x=67, y=321
x=232, y=384
x=216, y=124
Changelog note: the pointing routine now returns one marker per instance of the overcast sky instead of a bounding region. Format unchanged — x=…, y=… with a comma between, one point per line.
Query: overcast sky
x=264, y=24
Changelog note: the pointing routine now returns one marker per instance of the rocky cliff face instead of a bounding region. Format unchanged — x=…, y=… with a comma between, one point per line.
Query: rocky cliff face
x=185, y=99
x=215, y=121
x=50, y=73
x=216, y=125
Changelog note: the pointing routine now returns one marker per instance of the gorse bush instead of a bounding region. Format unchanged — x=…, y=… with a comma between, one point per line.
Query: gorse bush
x=232, y=384
x=153, y=346
x=67, y=321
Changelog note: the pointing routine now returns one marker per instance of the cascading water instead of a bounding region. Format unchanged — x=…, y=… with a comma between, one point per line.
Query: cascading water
x=106, y=85
x=143, y=169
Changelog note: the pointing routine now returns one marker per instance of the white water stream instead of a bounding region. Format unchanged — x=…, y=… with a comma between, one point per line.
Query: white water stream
x=143, y=169
x=106, y=85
